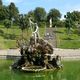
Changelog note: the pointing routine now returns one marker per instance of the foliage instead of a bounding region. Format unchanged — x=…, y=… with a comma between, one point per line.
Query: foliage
x=22, y=22
x=7, y=23
x=60, y=23
x=75, y=16
x=30, y=14
x=8, y=12
x=68, y=42
x=62, y=37
x=13, y=12
x=8, y=39
x=68, y=22
x=39, y=15
x=3, y=13
x=1, y=3
x=55, y=15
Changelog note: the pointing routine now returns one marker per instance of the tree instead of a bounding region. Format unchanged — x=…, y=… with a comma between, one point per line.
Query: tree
x=76, y=19
x=7, y=24
x=60, y=23
x=1, y=3
x=30, y=14
x=55, y=15
x=40, y=15
x=22, y=23
x=3, y=11
x=27, y=22
x=13, y=11
x=68, y=22
x=75, y=16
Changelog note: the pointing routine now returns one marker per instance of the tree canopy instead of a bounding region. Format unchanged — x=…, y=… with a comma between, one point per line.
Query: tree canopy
x=39, y=14
x=22, y=22
x=13, y=11
x=7, y=23
x=55, y=15
x=1, y=3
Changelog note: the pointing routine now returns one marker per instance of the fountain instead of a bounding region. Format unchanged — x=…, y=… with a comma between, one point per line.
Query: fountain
x=37, y=55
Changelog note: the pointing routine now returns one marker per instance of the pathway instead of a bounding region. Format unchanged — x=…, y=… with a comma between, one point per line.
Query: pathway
x=66, y=54
x=50, y=36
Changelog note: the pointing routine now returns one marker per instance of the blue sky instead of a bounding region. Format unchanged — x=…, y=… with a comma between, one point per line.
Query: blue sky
x=63, y=5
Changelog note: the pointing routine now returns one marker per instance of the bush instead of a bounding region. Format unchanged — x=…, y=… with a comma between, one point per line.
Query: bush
x=7, y=23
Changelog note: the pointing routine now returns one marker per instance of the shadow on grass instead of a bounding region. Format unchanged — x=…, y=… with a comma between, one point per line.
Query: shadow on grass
x=68, y=38
x=58, y=32
x=8, y=36
x=1, y=32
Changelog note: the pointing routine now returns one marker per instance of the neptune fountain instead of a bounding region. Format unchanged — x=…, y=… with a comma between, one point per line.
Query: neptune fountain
x=37, y=55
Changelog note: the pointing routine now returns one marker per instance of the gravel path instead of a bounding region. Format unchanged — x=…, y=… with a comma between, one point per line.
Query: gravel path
x=66, y=54
x=51, y=36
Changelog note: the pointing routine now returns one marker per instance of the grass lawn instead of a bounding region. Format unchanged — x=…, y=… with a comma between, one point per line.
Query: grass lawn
x=8, y=37
x=64, y=40
x=70, y=71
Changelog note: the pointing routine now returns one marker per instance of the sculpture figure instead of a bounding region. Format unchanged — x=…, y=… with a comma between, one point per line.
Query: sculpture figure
x=34, y=29
x=50, y=21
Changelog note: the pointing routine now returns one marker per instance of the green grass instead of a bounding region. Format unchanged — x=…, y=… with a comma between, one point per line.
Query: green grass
x=64, y=40
x=69, y=44
x=8, y=37
x=4, y=44
x=70, y=71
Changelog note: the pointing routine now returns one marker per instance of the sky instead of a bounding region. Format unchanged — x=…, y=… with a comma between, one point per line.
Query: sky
x=63, y=6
